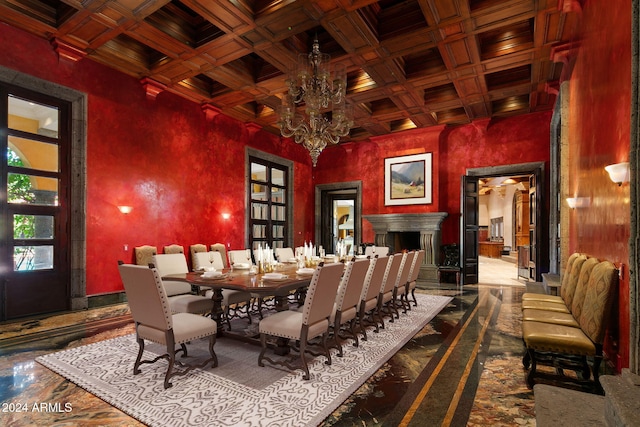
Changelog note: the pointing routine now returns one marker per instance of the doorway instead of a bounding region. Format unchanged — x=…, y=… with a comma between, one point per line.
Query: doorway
x=509, y=225
x=338, y=215
x=35, y=203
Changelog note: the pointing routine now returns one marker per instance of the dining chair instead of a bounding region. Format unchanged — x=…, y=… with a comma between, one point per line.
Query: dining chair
x=240, y=256
x=311, y=322
x=376, y=250
x=345, y=312
x=385, y=297
x=284, y=254
x=243, y=257
x=181, y=299
x=213, y=259
x=401, y=284
x=219, y=247
x=144, y=253
x=233, y=302
x=370, y=292
x=173, y=249
x=413, y=278
x=194, y=249
x=149, y=306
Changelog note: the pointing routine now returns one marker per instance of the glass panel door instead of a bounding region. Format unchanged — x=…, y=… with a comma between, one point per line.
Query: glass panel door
x=268, y=200
x=34, y=209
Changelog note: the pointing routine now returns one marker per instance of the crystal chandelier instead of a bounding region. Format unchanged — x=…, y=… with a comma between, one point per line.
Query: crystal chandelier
x=310, y=83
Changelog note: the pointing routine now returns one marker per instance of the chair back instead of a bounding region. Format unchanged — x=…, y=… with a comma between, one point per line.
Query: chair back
x=144, y=254
x=284, y=254
x=146, y=296
x=172, y=264
x=194, y=249
x=376, y=250
x=219, y=247
x=375, y=276
x=321, y=294
x=599, y=298
x=415, y=266
x=352, y=283
x=173, y=249
x=241, y=256
x=571, y=279
x=208, y=259
x=391, y=274
x=405, y=267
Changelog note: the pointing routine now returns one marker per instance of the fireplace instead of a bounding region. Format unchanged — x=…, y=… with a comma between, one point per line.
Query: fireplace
x=411, y=231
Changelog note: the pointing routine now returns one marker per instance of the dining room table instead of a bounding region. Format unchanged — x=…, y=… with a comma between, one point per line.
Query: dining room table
x=278, y=284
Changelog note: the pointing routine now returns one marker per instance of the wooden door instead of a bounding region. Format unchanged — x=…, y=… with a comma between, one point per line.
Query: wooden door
x=469, y=229
x=35, y=232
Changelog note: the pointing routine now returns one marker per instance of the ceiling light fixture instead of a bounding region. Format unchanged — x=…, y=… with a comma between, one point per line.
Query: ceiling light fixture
x=311, y=84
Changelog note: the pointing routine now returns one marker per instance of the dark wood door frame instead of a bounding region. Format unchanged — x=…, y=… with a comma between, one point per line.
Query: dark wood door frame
x=540, y=247
x=335, y=188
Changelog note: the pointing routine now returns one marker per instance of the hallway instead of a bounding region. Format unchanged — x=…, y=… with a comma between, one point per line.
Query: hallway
x=464, y=368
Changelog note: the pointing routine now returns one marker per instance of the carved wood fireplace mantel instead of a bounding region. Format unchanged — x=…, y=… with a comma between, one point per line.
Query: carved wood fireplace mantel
x=428, y=227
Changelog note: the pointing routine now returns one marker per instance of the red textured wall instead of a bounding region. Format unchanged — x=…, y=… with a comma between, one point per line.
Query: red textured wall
x=178, y=171
x=599, y=134
x=483, y=143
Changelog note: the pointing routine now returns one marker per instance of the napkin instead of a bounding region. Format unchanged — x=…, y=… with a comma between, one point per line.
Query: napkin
x=306, y=271
x=211, y=274
x=274, y=276
x=208, y=269
x=241, y=265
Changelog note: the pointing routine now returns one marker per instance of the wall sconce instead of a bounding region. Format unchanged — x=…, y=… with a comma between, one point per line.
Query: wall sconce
x=619, y=172
x=578, y=202
x=226, y=215
x=125, y=209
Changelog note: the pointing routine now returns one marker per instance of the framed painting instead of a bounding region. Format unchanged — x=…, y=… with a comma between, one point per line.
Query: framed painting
x=407, y=180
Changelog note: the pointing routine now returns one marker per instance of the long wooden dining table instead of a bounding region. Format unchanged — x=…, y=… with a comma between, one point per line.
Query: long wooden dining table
x=243, y=280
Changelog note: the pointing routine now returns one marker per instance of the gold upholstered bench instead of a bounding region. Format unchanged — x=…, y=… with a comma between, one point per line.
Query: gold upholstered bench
x=565, y=346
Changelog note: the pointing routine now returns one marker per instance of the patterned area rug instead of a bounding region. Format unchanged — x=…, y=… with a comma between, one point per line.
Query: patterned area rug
x=238, y=392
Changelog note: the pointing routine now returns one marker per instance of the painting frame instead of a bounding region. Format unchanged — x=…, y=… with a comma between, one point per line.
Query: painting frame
x=408, y=180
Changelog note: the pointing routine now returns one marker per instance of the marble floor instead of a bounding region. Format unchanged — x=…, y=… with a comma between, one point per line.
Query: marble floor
x=463, y=368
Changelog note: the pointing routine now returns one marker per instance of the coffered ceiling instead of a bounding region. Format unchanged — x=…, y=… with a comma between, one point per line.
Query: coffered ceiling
x=410, y=63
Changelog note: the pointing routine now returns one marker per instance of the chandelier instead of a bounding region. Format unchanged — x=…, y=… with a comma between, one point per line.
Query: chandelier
x=310, y=83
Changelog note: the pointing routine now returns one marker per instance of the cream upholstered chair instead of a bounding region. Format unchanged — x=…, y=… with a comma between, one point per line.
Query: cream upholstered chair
x=231, y=299
x=370, y=293
x=311, y=322
x=284, y=254
x=193, y=249
x=412, y=280
x=401, y=283
x=385, y=297
x=219, y=247
x=240, y=256
x=376, y=250
x=173, y=249
x=149, y=307
x=178, y=292
x=144, y=254
x=207, y=259
x=345, y=310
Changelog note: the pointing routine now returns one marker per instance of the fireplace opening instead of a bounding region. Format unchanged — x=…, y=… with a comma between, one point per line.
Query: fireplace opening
x=403, y=240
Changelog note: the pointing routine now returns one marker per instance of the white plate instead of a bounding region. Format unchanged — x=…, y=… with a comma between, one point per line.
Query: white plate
x=242, y=266
x=305, y=271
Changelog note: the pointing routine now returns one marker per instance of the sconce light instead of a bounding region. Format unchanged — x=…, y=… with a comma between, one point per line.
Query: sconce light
x=125, y=209
x=226, y=215
x=619, y=172
x=578, y=202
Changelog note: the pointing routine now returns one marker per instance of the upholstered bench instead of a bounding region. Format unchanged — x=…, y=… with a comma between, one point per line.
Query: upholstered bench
x=567, y=347
x=568, y=311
